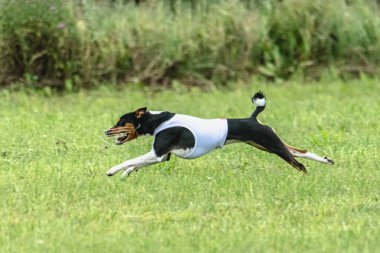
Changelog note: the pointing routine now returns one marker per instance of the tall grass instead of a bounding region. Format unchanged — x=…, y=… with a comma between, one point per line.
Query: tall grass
x=72, y=43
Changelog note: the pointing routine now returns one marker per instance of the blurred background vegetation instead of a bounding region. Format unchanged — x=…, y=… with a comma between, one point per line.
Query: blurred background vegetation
x=81, y=43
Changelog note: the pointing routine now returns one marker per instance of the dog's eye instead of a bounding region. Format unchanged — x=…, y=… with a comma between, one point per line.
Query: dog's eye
x=122, y=123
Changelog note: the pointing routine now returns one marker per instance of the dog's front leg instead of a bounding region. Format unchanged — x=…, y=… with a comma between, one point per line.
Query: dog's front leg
x=138, y=162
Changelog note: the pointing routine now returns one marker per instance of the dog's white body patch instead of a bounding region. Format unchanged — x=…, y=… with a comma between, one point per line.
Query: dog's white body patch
x=209, y=134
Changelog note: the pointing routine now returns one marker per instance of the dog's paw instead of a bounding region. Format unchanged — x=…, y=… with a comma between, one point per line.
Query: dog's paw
x=109, y=173
x=328, y=160
x=113, y=171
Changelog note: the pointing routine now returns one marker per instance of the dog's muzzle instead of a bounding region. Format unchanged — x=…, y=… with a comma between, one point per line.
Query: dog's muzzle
x=123, y=134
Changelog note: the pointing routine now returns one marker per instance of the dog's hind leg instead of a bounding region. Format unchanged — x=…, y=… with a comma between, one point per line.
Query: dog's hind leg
x=288, y=157
x=308, y=155
x=278, y=148
x=262, y=137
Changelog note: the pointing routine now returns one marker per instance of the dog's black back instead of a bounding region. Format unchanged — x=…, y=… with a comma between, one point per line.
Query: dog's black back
x=149, y=121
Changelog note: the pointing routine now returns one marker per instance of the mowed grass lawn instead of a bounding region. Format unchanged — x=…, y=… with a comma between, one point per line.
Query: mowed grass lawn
x=55, y=197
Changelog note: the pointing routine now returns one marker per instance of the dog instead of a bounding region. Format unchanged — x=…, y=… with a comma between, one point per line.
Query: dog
x=190, y=137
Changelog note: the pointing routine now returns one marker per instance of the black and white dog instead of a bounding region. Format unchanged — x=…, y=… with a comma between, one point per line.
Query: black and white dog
x=191, y=137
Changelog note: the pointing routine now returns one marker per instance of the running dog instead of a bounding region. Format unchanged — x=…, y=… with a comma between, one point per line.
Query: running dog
x=190, y=137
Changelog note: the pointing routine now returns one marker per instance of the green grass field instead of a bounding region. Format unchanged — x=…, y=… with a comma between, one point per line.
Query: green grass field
x=55, y=197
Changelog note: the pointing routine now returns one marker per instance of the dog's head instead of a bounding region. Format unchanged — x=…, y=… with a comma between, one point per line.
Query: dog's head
x=126, y=127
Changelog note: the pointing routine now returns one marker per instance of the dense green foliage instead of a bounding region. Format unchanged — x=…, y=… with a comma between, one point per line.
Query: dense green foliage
x=82, y=43
x=55, y=197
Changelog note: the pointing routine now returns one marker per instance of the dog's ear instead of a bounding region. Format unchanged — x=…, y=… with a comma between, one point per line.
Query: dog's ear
x=140, y=112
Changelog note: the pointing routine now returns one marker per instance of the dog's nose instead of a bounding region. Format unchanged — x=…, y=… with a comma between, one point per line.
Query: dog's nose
x=106, y=132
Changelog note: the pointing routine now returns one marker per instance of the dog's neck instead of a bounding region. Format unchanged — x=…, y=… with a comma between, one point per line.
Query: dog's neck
x=151, y=120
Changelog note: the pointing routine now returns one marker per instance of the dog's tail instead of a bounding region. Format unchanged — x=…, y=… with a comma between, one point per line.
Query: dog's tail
x=259, y=100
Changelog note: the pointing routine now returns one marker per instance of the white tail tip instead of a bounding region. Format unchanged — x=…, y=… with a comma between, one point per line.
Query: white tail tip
x=259, y=99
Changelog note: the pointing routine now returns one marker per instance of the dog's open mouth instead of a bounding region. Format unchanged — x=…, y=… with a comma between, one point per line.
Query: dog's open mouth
x=122, y=134
x=121, y=138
